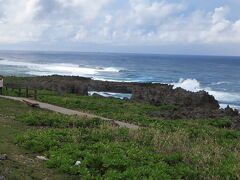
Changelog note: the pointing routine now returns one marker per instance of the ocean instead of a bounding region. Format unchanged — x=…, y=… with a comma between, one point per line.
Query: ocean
x=218, y=75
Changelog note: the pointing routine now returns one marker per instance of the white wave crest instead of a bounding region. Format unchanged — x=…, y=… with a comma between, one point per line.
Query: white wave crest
x=223, y=106
x=57, y=68
x=220, y=83
x=188, y=84
x=110, y=69
x=111, y=94
x=195, y=86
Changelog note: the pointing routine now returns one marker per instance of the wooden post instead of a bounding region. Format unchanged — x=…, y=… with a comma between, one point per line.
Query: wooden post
x=1, y=85
x=27, y=95
x=19, y=92
x=35, y=94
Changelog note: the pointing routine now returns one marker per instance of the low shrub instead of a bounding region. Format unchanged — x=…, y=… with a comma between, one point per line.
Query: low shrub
x=221, y=123
x=37, y=118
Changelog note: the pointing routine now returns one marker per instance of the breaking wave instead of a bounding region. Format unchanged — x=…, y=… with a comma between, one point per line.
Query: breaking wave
x=225, y=98
x=58, y=68
x=111, y=94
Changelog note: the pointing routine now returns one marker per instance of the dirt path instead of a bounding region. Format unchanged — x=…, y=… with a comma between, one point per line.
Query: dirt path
x=70, y=112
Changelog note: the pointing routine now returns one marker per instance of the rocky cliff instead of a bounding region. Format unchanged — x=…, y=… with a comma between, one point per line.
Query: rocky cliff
x=153, y=93
x=158, y=94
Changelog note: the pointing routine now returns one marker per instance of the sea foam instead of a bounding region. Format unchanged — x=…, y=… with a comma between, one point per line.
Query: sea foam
x=58, y=68
x=111, y=94
x=225, y=98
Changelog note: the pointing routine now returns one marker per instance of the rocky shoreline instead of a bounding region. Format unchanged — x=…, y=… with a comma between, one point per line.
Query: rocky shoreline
x=189, y=105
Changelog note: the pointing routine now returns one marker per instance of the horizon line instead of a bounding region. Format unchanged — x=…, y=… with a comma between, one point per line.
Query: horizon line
x=112, y=52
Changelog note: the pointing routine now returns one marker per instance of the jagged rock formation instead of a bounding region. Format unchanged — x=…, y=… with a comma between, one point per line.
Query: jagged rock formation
x=158, y=94
x=118, y=87
x=162, y=94
x=189, y=113
x=186, y=113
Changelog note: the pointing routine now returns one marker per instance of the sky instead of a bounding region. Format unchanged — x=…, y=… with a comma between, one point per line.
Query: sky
x=210, y=27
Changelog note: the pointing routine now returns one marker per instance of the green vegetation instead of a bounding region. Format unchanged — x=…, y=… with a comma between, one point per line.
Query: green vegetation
x=108, y=107
x=116, y=153
x=21, y=164
x=57, y=121
x=15, y=92
x=179, y=149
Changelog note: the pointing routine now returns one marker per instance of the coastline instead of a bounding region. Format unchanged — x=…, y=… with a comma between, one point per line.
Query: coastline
x=104, y=88
x=188, y=105
x=218, y=77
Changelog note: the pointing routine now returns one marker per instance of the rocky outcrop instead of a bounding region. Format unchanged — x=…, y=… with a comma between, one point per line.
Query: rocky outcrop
x=154, y=93
x=118, y=87
x=158, y=94
x=162, y=94
x=186, y=113
x=190, y=113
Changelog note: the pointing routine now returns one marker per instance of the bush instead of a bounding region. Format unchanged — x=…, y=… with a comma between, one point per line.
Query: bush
x=42, y=141
x=221, y=123
x=37, y=118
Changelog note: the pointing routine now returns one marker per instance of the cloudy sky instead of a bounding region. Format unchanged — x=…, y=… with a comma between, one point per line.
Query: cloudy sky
x=146, y=26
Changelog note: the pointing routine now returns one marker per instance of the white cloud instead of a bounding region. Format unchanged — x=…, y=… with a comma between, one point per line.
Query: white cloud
x=17, y=23
x=108, y=19
x=144, y=22
x=146, y=12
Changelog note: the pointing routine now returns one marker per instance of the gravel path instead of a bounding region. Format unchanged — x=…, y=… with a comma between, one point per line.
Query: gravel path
x=70, y=112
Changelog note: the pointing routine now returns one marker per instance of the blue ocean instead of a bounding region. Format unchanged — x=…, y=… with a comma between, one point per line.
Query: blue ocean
x=218, y=75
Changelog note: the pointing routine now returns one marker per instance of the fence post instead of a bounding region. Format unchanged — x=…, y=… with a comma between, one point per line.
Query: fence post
x=19, y=92
x=27, y=95
x=1, y=85
x=35, y=94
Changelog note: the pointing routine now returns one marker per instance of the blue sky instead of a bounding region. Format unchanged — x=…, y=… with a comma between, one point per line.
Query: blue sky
x=142, y=26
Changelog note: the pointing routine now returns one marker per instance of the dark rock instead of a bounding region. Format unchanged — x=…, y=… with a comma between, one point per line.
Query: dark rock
x=157, y=94
x=191, y=113
x=97, y=95
x=126, y=99
x=3, y=157
x=162, y=94
x=2, y=177
x=230, y=112
x=107, y=86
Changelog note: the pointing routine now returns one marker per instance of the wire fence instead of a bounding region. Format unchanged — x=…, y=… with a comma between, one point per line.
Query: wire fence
x=25, y=91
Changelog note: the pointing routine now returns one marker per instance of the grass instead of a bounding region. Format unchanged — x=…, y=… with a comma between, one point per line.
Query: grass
x=108, y=152
x=111, y=108
x=107, y=107
x=21, y=163
x=179, y=149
